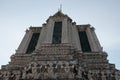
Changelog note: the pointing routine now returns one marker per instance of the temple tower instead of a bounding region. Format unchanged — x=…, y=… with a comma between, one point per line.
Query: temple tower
x=60, y=49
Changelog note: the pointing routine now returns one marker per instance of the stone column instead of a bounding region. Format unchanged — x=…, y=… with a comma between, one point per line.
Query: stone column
x=42, y=36
x=91, y=40
x=25, y=42
x=75, y=37
x=65, y=31
x=96, y=40
x=69, y=31
x=49, y=33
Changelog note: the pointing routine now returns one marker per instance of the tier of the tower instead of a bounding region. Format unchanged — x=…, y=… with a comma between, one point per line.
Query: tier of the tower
x=60, y=30
x=29, y=41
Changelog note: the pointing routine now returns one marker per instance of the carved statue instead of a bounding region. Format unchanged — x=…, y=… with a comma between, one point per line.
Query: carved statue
x=1, y=76
x=4, y=75
x=75, y=71
x=34, y=72
x=28, y=73
x=29, y=76
x=18, y=75
x=103, y=76
x=67, y=68
x=117, y=77
x=7, y=76
x=100, y=75
x=50, y=69
x=94, y=76
x=90, y=75
x=12, y=77
x=24, y=73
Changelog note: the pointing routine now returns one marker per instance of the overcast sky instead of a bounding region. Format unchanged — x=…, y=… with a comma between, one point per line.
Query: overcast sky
x=18, y=15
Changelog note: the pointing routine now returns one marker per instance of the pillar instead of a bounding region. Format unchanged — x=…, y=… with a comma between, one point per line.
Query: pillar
x=91, y=40
x=96, y=40
x=65, y=31
x=25, y=42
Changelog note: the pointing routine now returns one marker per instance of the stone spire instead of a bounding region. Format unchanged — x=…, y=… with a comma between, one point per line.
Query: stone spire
x=60, y=49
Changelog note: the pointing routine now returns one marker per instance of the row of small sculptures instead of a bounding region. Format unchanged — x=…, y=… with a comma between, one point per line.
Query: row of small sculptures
x=40, y=72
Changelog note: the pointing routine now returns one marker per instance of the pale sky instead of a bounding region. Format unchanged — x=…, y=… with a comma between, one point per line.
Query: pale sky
x=18, y=15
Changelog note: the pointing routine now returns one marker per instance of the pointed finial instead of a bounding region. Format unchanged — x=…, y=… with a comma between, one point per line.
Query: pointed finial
x=60, y=7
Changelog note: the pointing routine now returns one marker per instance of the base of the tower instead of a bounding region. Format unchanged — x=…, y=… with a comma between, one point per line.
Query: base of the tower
x=57, y=79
